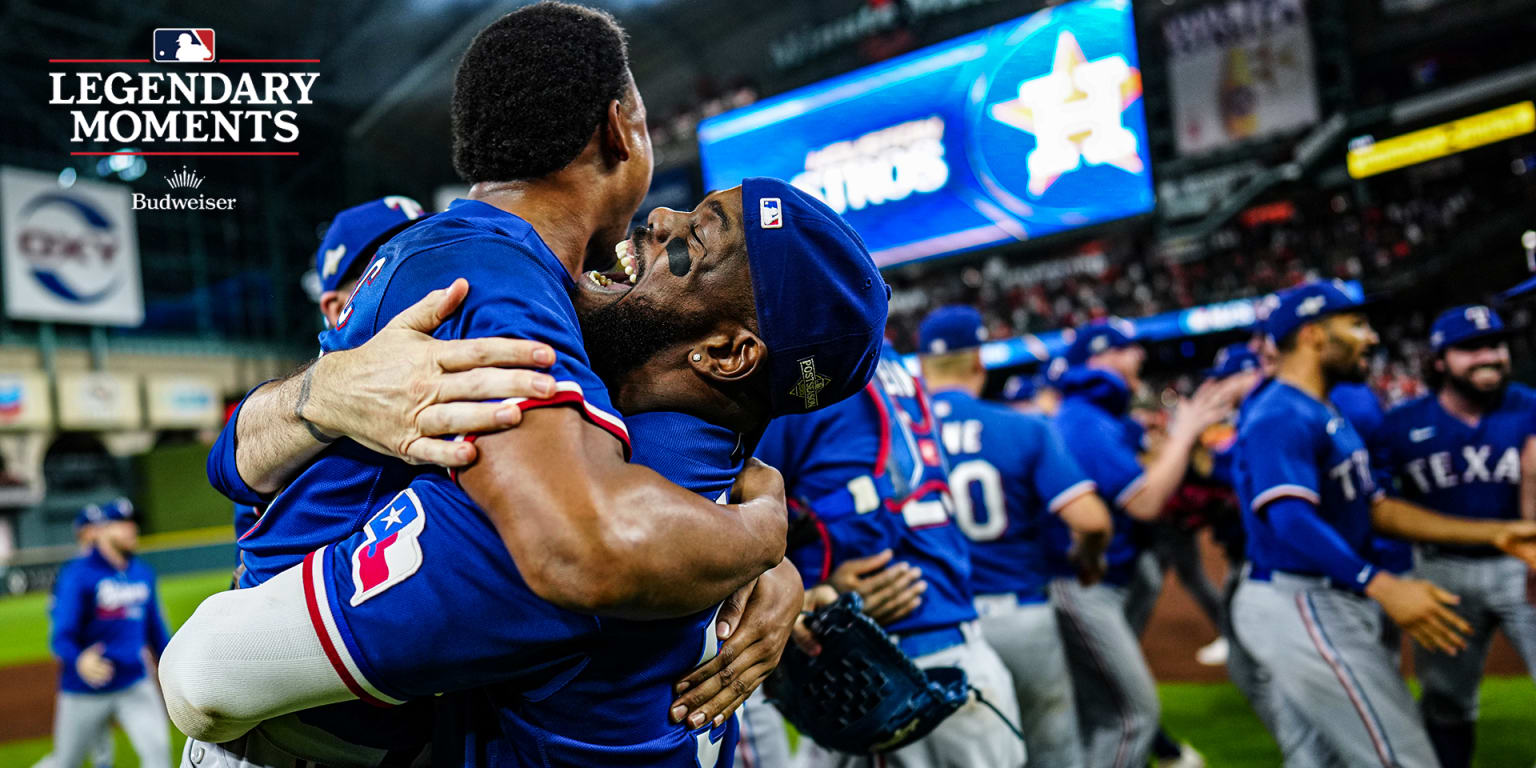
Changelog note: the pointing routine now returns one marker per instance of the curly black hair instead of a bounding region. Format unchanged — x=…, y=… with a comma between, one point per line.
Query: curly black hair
x=532, y=88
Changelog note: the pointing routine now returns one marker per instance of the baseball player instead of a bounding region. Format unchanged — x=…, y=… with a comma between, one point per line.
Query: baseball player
x=572, y=665
x=1310, y=501
x=1010, y=473
x=1457, y=451
x=1116, y=697
x=107, y=628
x=871, y=474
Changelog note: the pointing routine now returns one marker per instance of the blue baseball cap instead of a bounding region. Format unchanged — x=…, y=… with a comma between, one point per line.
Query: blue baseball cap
x=1306, y=303
x=1020, y=387
x=359, y=231
x=1232, y=360
x=821, y=303
x=116, y=509
x=1101, y=336
x=1460, y=325
x=951, y=329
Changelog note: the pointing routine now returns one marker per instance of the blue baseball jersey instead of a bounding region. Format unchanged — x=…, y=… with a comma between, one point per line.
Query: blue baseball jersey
x=518, y=289
x=425, y=599
x=1107, y=444
x=1437, y=460
x=1009, y=475
x=1357, y=403
x=94, y=602
x=1290, y=445
x=871, y=471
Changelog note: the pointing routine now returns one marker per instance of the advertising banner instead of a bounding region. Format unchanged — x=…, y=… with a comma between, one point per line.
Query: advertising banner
x=1239, y=70
x=71, y=255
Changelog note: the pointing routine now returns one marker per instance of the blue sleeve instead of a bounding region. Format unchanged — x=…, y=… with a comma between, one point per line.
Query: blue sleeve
x=1287, y=460
x=512, y=295
x=157, y=633
x=1111, y=463
x=1055, y=474
x=223, y=474
x=69, y=616
x=1297, y=527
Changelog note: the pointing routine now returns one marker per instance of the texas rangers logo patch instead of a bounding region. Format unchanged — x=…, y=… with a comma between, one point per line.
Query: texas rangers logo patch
x=392, y=551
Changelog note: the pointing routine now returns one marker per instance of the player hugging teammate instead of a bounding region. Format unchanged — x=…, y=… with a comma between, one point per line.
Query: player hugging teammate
x=609, y=573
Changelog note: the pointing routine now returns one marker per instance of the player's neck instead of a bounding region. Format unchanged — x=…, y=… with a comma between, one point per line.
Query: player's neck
x=1305, y=374
x=564, y=218
x=1459, y=406
x=971, y=385
x=111, y=554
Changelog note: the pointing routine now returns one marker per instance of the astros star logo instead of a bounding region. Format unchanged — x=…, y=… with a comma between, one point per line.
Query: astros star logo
x=1074, y=112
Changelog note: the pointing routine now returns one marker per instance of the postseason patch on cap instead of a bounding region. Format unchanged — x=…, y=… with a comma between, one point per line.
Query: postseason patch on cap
x=770, y=213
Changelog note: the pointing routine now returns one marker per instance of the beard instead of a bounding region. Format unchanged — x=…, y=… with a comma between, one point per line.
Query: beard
x=1487, y=399
x=622, y=336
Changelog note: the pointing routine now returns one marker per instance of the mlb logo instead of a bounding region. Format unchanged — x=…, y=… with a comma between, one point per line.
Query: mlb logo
x=770, y=213
x=392, y=551
x=183, y=45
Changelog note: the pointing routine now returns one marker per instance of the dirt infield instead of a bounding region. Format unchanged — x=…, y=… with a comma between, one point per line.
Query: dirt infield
x=1176, y=631
x=26, y=709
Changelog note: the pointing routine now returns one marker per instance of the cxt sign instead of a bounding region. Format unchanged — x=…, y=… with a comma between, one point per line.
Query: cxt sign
x=70, y=255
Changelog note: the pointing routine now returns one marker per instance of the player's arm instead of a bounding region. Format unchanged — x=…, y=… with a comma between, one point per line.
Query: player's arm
x=1058, y=478
x=1528, y=479
x=1406, y=520
x=1145, y=499
x=68, y=618
x=395, y=394
x=593, y=533
x=1088, y=518
x=246, y=656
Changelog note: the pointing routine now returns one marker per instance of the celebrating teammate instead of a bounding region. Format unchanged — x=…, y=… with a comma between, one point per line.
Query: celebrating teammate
x=1010, y=472
x=1310, y=502
x=1458, y=451
x=872, y=475
x=107, y=628
x=1116, y=699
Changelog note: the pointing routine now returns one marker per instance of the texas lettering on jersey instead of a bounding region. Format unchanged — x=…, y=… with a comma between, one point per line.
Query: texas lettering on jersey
x=1438, y=470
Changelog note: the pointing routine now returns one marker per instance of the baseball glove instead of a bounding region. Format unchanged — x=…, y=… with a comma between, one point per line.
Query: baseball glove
x=862, y=694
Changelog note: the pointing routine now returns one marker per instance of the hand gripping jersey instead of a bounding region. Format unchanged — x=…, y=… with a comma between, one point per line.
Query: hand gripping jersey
x=426, y=600
x=1106, y=443
x=94, y=602
x=872, y=472
x=1292, y=446
x=518, y=289
x=1433, y=458
x=1009, y=475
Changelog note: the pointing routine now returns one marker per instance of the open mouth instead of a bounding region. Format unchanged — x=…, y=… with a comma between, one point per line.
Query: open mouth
x=624, y=273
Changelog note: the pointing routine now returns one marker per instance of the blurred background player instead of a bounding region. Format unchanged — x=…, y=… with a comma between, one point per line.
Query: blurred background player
x=1457, y=451
x=870, y=475
x=1116, y=698
x=107, y=633
x=1310, y=502
x=1009, y=472
x=352, y=238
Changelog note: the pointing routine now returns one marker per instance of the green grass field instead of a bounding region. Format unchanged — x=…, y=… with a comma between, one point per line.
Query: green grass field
x=1213, y=717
